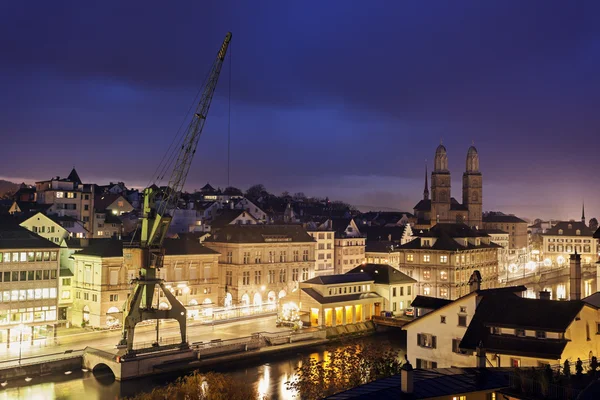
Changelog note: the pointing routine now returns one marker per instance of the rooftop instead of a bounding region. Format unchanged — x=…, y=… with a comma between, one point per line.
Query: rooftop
x=383, y=274
x=340, y=278
x=261, y=234
x=570, y=228
x=13, y=236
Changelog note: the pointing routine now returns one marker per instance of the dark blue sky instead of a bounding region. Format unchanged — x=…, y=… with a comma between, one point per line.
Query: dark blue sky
x=345, y=99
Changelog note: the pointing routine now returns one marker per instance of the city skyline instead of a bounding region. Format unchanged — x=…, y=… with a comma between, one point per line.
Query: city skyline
x=317, y=106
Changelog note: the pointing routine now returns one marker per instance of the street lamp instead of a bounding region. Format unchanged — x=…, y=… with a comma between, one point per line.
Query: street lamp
x=21, y=327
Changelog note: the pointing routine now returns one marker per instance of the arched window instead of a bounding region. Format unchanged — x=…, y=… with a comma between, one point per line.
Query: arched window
x=257, y=299
x=245, y=300
x=282, y=294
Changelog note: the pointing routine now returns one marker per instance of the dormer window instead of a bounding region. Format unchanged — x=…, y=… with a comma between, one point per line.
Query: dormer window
x=578, y=232
x=426, y=243
x=570, y=226
x=560, y=231
x=540, y=334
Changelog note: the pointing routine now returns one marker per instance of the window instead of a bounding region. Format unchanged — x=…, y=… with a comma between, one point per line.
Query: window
x=444, y=293
x=86, y=296
x=515, y=362
x=394, y=305
x=246, y=278
x=60, y=195
x=426, y=340
x=296, y=255
x=426, y=290
x=228, y=278
x=463, y=309
x=393, y=292
x=282, y=257
x=271, y=256
x=444, y=275
x=271, y=276
x=427, y=274
x=94, y=297
x=410, y=257
x=295, y=275
x=86, y=207
x=442, y=319
x=459, y=397
x=114, y=297
x=540, y=334
x=71, y=195
x=246, y=257
x=282, y=276
x=408, y=290
x=305, y=255
x=257, y=257
x=229, y=257
x=426, y=258
x=426, y=363
x=86, y=219
x=304, y=274
x=462, y=320
x=443, y=259
x=456, y=347
x=520, y=332
x=257, y=277
x=66, y=281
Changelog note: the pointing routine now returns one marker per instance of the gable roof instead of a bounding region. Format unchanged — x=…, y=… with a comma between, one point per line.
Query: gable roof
x=430, y=303
x=114, y=248
x=226, y=216
x=500, y=217
x=104, y=200
x=522, y=313
x=569, y=228
x=423, y=205
x=383, y=274
x=13, y=236
x=261, y=234
x=340, y=278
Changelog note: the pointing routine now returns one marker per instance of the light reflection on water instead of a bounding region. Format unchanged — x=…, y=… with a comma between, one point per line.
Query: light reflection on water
x=268, y=376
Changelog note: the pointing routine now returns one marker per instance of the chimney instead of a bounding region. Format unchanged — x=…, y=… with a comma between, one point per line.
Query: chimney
x=475, y=281
x=406, y=377
x=575, y=276
x=544, y=295
x=480, y=353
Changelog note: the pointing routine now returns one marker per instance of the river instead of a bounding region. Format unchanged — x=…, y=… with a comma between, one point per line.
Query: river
x=267, y=375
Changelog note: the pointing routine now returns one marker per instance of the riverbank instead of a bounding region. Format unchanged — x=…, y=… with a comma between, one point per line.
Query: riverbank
x=267, y=371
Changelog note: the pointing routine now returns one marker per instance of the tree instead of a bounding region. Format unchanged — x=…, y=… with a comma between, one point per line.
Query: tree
x=593, y=224
x=285, y=194
x=299, y=196
x=209, y=386
x=232, y=191
x=343, y=368
x=255, y=191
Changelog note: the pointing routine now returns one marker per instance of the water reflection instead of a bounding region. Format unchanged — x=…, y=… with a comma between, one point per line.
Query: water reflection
x=269, y=376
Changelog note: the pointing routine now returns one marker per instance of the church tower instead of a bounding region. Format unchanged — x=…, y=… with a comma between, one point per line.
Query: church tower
x=440, y=187
x=472, y=189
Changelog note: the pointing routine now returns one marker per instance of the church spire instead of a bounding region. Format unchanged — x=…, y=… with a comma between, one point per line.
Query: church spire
x=426, y=190
x=583, y=212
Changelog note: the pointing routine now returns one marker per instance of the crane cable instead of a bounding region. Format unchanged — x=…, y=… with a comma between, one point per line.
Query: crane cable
x=229, y=121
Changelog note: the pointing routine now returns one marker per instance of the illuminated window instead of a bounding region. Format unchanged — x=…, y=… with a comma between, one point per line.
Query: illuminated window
x=443, y=292
x=426, y=291
x=71, y=195
x=426, y=258
x=410, y=257
x=60, y=195
x=443, y=259
x=444, y=275
x=426, y=274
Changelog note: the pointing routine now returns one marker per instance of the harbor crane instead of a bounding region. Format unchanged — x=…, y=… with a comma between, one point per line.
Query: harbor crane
x=157, y=215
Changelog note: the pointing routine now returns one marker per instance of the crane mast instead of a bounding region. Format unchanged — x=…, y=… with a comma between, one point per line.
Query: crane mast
x=156, y=219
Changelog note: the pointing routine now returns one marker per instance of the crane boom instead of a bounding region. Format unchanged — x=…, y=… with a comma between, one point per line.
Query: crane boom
x=160, y=226
x=149, y=252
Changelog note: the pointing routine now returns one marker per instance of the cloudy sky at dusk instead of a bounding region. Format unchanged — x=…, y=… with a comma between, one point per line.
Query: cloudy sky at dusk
x=340, y=99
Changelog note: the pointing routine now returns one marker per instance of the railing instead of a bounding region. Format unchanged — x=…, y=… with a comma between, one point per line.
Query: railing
x=547, y=390
x=152, y=344
x=41, y=359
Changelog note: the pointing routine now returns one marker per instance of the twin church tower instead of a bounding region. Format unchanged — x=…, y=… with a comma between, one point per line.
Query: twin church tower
x=442, y=207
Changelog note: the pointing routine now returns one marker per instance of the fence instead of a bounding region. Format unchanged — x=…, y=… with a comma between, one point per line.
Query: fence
x=41, y=359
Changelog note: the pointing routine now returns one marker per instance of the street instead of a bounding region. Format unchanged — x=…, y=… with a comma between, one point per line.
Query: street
x=169, y=331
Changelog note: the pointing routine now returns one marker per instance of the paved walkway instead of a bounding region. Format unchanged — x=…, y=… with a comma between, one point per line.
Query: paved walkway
x=106, y=340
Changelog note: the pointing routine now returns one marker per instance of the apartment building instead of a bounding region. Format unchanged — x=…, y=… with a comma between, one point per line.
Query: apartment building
x=349, y=245
x=260, y=264
x=324, y=253
x=68, y=197
x=566, y=238
x=29, y=285
x=103, y=271
x=518, y=239
x=443, y=258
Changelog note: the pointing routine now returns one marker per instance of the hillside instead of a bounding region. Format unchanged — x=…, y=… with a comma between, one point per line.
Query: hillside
x=7, y=186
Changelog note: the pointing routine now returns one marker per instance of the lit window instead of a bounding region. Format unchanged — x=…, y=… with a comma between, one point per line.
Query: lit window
x=410, y=257
x=444, y=275
x=426, y=258
x=60, y=195
x=443, y=259
x=426, y=274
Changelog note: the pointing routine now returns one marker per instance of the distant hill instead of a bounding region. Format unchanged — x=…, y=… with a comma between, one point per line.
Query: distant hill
x=7, y=186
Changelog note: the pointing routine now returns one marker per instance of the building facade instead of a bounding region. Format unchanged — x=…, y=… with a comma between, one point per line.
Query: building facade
x=103, y=271
x=442, y=207
x=396, y=289
x=260, y=264
x=324, y=253
x=566, y=238
x=68, y=197
x=443, y=259
x=336, y=300
x=29, y=286
x=349, y=245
